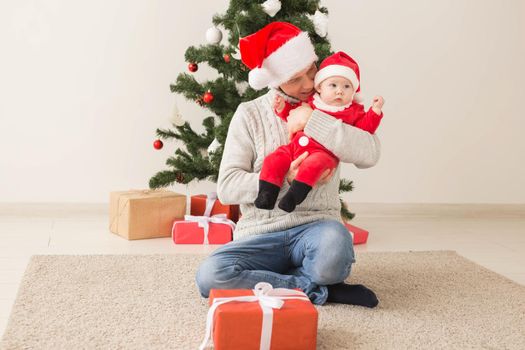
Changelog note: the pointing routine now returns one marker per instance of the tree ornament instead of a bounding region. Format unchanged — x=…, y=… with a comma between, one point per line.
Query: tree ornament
x=193, y=67
x=158, y=144
x=213, y=146
x=320, y=21
x=176, y=117
x=241, y=87
x=236, y=54
x=271, y=7
x=179, y=177
x=208, y=97
x=213, y=35
x=227, y=58
x=200, y=101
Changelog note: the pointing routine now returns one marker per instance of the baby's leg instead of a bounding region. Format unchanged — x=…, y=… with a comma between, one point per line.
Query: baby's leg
x=307, y=176
x=274, y=169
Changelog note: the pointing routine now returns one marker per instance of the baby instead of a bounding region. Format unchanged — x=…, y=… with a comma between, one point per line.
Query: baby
x=336, y=83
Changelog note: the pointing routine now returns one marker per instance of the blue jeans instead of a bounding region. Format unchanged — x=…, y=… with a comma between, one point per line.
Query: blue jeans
x=307, y=257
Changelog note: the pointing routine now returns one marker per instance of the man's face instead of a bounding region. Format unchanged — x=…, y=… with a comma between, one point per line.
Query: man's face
x=336, y=91
x=301, y=85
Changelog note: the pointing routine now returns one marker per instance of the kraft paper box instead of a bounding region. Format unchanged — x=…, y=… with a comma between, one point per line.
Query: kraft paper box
x=237, y=325
x=198, y=206
x=360, y=236
x=141, y=214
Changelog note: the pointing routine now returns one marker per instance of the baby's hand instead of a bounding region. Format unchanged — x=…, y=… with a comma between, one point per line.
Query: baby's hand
x=377, y=104
x=278, y=103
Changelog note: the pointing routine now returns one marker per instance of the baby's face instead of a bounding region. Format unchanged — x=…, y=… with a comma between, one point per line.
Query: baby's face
x=336, y=91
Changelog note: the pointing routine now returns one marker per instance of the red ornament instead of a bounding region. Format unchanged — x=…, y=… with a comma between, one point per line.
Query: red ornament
x=226, y=58
x=179, y=177
x=158, y=144
x=193, y=67
x=208, y=97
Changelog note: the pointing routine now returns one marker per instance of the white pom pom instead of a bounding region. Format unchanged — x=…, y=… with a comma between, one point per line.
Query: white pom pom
x=259, y=78
x=358, y=98
x=271, y=7
x=213, y=35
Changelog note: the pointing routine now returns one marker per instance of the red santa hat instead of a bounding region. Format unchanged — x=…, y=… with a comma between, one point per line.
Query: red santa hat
x=276, y=53
x=341, y=65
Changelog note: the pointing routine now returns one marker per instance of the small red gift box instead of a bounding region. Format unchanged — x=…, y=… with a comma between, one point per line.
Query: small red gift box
x=244, y=325
x=189, y=232
x=199, y=202
x=360, y=236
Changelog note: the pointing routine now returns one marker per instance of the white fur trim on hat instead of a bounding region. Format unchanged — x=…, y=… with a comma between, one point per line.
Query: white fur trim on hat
x=339, y=71
x=294, y=56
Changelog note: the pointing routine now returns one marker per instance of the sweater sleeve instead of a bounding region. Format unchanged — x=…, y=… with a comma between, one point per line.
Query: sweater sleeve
x=237, y=183
x=348, y=143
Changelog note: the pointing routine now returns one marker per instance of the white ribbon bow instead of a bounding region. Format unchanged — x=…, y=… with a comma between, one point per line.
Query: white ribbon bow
x=204, y=222
x=268, y=298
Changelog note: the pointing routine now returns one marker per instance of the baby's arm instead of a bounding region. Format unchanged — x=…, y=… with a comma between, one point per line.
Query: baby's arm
x=369, y=121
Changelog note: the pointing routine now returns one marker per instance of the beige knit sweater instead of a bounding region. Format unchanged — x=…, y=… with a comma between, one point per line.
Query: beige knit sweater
x=254, y=132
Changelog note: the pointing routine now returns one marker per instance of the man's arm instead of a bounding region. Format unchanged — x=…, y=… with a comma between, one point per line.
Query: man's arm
x=237, y=183
x=348, y=143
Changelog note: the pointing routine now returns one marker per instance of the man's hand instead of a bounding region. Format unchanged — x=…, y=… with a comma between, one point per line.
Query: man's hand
x=298, y=118
x=377, y=104
x=294, y=167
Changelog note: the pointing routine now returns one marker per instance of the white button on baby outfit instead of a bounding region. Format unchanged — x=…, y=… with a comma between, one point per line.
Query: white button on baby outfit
x=303, y=140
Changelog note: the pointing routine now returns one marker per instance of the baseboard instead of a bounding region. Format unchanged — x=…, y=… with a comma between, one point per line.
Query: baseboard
x=467, y=210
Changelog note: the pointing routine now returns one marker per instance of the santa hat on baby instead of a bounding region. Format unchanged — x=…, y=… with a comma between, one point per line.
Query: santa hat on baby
x=341, y=65
x=275, y=54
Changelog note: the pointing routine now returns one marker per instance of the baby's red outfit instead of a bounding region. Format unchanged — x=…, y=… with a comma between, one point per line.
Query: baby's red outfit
x=277, y=163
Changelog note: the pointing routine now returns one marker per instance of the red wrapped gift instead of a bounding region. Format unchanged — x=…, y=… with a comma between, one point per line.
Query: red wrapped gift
x=203, y=230
x=201, y=204
x=261, y=318
x=360, y=236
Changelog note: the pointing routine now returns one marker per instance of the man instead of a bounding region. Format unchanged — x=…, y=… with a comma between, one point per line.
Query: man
x=309, y=248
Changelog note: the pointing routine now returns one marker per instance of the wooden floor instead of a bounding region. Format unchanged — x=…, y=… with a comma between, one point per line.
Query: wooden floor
x=491, y=235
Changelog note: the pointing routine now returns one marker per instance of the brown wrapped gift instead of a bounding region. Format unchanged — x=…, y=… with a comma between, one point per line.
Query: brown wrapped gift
x=140, y=214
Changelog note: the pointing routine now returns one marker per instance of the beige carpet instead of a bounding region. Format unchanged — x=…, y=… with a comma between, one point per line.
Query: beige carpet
x=428, y=300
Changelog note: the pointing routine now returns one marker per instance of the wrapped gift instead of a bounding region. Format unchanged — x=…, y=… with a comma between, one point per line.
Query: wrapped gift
x=359, y=235
x=262, y=318
x=217, y=229
x=140, y=214
x=200, y=203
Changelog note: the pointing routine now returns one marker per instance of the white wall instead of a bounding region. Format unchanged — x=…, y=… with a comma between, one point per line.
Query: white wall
x=84, y=85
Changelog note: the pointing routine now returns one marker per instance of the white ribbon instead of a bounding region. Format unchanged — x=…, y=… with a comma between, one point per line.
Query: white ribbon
x=210, y=202
x=204, y=222
x=268, y=298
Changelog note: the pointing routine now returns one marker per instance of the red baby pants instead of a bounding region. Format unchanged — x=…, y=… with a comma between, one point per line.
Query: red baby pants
x=277, y=163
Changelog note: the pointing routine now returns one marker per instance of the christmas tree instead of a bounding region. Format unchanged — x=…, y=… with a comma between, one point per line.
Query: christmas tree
x=202, y=155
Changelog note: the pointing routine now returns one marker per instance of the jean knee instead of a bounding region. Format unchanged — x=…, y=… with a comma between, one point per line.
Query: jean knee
x=213, y=274
x=335, y=254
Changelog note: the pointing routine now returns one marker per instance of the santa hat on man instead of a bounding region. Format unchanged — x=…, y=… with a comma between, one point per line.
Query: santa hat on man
x=276, y=53
x=341, y=65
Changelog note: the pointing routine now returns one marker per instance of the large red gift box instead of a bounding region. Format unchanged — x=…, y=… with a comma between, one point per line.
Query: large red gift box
x=189, y=232
x=198, y=207
x=238, y=325
x=360, y=236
